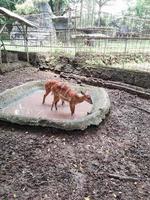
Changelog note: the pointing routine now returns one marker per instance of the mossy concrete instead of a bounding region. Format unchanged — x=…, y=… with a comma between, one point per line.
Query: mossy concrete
x=101, y=106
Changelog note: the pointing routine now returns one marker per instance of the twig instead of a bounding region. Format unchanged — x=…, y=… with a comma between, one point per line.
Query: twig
x=129, y=178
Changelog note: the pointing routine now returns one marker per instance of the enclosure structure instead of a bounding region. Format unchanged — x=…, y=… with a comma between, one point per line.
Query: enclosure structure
x=23, y=27
x=44, y=33
x=73, y=38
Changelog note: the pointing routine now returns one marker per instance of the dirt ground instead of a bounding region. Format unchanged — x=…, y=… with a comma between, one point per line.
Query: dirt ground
x=108, y=162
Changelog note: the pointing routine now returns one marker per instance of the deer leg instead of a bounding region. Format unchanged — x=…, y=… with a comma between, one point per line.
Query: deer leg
x=72, y=108
x=53, y=103
x=63, y=102
x=45, y=95
x=56, y=101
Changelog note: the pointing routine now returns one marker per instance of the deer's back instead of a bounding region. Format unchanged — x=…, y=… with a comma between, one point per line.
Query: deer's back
x=64, y=92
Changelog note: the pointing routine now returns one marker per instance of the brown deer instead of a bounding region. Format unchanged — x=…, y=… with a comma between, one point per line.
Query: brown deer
x=65, y=93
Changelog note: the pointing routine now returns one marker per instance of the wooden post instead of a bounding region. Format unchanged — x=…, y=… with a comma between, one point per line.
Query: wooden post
x=0, y=51
x=2, y=44
x=26, y=38
x=24, y=33
x=69, y=27
x=75, y=31
x=125, y=48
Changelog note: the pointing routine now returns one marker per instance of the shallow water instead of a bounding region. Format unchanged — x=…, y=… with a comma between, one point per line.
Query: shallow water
x=31, y=106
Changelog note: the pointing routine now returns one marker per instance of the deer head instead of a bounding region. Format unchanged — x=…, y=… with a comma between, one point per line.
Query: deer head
x=87, y=97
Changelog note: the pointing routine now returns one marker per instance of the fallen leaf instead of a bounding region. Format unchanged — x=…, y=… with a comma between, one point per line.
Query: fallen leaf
x=114, y=195
x=87, y=198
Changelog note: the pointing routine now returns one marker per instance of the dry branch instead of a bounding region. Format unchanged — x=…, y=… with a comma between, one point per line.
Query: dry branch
x=128, y=178
x=109, y=84
x=124, y=177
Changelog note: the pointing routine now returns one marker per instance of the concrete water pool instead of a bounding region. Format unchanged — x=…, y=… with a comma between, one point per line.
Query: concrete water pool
x=31, y=106
x=23, y=105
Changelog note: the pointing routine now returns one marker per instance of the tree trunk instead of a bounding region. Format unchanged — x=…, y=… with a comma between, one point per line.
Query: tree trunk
x=92, y=20
x=57, y=8
x=81, y=9
x=99, y=14
x=88, y=14
x=51, y=5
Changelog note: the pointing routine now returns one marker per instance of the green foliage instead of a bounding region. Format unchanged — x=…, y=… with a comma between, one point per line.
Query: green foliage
x=100, y=22
x=40, y=1
x=141, y=8
x=5, y=36
x=2, y=20
x=26, y=8
x=10, y=4
x=95, y=62
x=59, y=6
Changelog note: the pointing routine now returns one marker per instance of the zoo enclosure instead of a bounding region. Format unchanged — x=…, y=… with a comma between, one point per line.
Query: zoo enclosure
x=78, y=31
x=96, y=40
x=77, y=36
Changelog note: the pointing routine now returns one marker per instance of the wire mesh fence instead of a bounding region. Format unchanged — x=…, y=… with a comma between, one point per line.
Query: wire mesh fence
x=70, y=40
x=102, y=41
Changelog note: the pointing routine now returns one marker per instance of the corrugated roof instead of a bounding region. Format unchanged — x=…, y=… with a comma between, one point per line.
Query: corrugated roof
x=15, y=16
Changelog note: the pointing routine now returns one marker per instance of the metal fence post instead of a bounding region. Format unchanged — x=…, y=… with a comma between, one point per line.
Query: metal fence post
x=125, y=48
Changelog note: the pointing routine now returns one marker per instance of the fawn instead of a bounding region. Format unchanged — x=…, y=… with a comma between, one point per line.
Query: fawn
x=48, y=86
x=65, y=93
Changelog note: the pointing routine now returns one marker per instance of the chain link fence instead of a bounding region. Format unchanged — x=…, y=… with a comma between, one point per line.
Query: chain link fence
x=104, y=41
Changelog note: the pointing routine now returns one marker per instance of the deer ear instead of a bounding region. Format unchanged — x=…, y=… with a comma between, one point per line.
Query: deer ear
x=82, y=93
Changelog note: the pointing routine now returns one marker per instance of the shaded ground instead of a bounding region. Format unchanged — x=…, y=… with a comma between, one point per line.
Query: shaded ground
x=42, y=163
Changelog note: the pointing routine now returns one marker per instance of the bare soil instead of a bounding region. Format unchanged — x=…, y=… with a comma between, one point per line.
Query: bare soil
x=108, y=162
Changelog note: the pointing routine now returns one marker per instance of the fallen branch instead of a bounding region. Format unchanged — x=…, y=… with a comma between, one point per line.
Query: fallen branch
x=109, y=84
x=128, y=178
x=142, y=109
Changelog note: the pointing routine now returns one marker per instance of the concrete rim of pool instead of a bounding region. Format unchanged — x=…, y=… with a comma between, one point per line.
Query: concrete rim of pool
x=98, y=111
